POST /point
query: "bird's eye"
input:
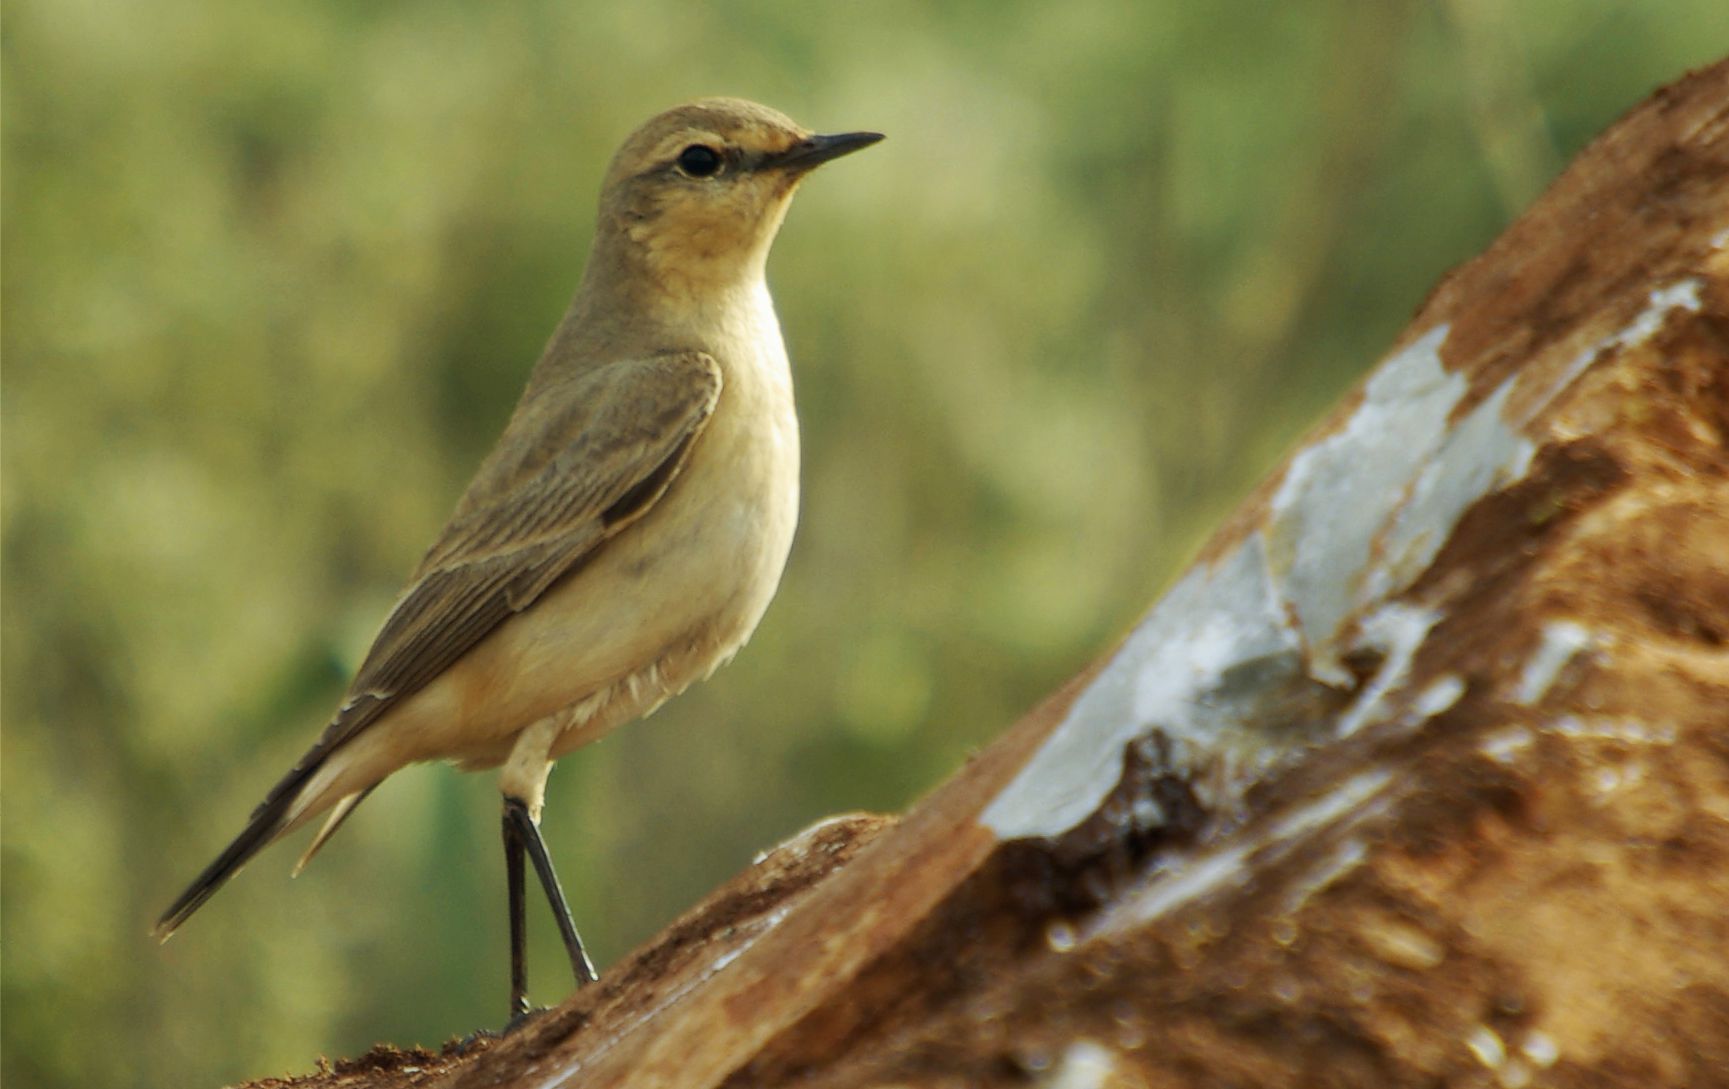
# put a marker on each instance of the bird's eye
(699, 161)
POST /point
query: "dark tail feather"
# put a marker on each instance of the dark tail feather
(267, 822)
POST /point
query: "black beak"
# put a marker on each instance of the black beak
(813, 151)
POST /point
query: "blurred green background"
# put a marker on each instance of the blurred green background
(274, 274)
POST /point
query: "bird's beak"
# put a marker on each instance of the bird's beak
(813, 151)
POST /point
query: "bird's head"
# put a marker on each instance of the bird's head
(697, 194)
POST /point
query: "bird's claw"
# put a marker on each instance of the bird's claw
(522, 1017)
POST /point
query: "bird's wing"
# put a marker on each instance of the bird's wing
(601, 459)
(600, 452)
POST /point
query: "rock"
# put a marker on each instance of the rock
(1419, 776)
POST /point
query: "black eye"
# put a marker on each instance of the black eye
(699, 161)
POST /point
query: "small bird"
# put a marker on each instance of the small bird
(626, 533)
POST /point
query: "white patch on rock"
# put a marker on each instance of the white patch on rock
(1482, 454)
(1340, 861)
(1180, 672)
(1540, 1048)
(1187, 878)
(1486, 1044)
(1084, 1065)
(1223, 664)
(1337, 493)
(1604, 728)
(1183, 879)
(1680, 295)
(1560, 642)
(1397, 631)
(1443, 692)
(1505, 746)
(1342, 801)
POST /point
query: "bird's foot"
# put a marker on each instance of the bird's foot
(478, 1039)
(481, 1038)
(522, 1017)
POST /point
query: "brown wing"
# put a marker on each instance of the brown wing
(577, 464)
(574, 468)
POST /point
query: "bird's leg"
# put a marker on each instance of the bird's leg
(527, 831)
(523, 783)
(513, 877)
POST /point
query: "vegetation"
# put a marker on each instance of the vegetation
(275, 274)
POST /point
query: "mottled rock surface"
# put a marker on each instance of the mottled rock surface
(1419, 777)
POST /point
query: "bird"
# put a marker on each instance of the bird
(624, 536)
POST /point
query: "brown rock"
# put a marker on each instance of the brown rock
(1420, 776)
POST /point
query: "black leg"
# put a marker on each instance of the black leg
(513, 875)
(528, 835)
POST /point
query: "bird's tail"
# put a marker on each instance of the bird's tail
(279, 813)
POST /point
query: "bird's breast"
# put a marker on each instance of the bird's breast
(676, 594)
(725, 526)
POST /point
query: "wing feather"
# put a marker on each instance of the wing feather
(535, 512)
